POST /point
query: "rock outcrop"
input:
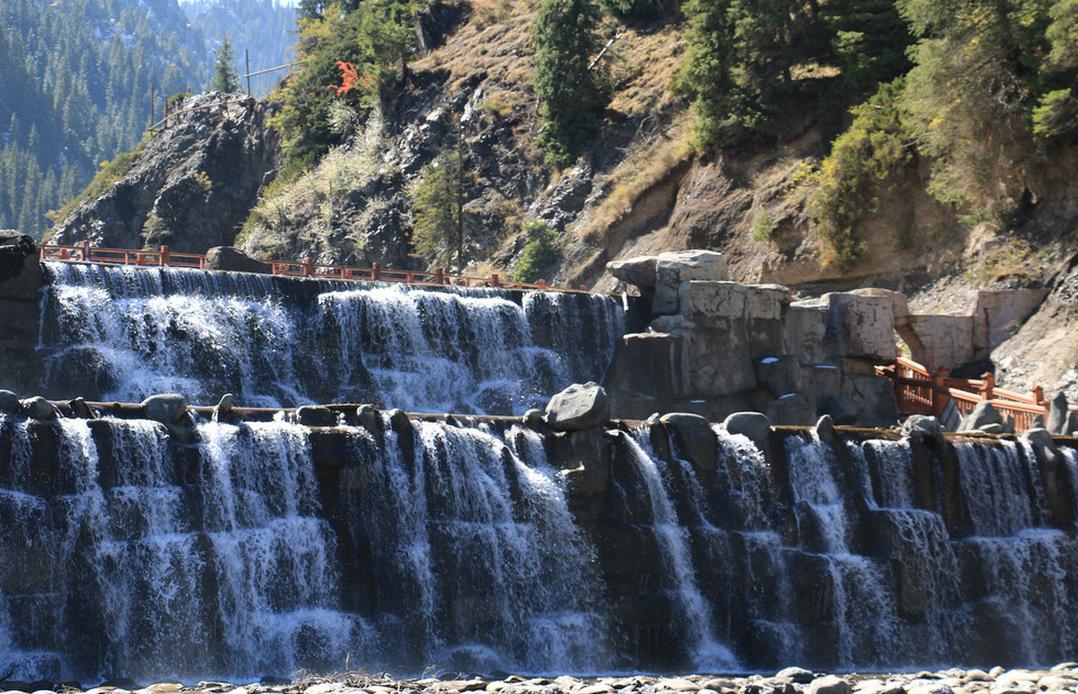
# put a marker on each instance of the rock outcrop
(192, 183)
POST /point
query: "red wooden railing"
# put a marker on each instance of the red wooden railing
(920, 391)
(164, 257)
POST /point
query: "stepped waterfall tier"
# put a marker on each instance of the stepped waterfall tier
(122, 333)
(391, 543)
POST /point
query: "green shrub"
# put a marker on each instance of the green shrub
(763, 225)
(540, 251)
(863, 159)
(1056, 116)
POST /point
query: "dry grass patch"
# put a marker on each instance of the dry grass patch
(641, 171)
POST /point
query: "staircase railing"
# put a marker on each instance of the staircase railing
(920, 391)
(165, 257)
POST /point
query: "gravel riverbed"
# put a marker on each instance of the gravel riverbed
(998, 680)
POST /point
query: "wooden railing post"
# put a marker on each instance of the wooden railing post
(495, 281)
(308, 267)
(376, 271)
(939, 391)
(86, 251)
(541, 283)
(164, 256)
(1039, 401)
(439, 275)
(989, 385)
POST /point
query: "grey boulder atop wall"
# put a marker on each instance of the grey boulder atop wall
(753, 425)
(673, 268)
(983, 414)
(168, 408)
(1058, 414)
(638, 271)
(233, 259)
(580, 406)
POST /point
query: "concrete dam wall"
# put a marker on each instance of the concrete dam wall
(390, 542)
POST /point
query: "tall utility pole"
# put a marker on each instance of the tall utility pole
(153, 106)
(247, 72)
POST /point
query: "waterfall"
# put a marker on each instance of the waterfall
(481, 549)
(122, 333)
(705, 650)
(398, 545)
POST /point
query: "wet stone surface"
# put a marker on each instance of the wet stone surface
(791, 680)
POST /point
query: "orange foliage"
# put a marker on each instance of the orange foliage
(349, 77)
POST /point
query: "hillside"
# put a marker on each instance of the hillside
(845, 174)
(78, 80)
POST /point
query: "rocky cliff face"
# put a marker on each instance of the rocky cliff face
(191, 185)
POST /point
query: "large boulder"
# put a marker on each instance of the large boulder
(984, 413)
(168, 409)
(233, 259)
(9, 402)
(671, 269)
(38, 408)
(316, 416)
(919, 425)
(694, 438)
(578, 407)
(638, 271)
(753, 425)
(862, 326)
(1058, 414)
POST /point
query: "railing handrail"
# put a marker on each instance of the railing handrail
(918, 390)
(166, 257)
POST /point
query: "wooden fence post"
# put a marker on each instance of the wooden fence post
(494, 281)
(439, 275)
(376, 271)
(989, 386)
(86, 251)
(164, 256)
(939, 390)
(308, 268)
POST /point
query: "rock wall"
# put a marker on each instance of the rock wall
(191, 185)
(715, 347)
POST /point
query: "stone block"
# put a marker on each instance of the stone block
(860, 326)
(875, 396)
(1059, 414)
(645, 364)
(766, 308)
(999, 313)
(717, 361)
(944, 340)
(673, 268)
(795, 409)
(806, 332)
(638, 271)
(702, 302)
(778, 375)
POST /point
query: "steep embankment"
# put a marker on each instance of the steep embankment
(188, 185)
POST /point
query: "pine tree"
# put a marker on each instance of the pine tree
(438, 210)
(572, 85)
(869, 39)
(224, 76)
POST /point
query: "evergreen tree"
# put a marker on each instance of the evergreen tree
(438, 210)
(572, 85)
(224, 76)
(374, 39)
(869, 39)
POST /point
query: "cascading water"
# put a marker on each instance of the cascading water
(122, 333)
(261, 548)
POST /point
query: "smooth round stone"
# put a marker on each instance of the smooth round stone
(1062, 667)
(718, 684)
(43, 691)
(677, 685)
(597, 688)
(798, 675)
(829, 685)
